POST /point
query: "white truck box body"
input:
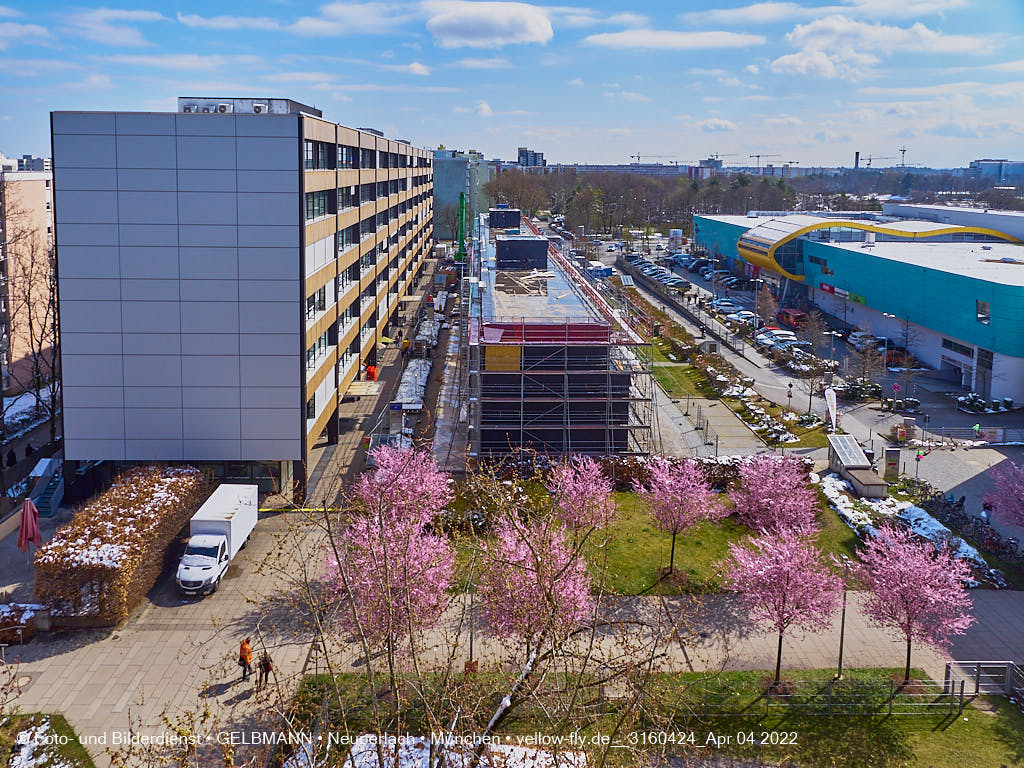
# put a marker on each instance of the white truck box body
(231, 511)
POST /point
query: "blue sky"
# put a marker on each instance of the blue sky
(809, 81)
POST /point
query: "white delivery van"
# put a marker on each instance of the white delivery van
(217, 531)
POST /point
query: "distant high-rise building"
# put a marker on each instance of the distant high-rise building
(531, 159)
(997, 170)
(33, 163)
(454, 172)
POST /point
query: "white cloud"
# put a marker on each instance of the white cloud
(12, 32)
(1007, 66)
(628, 19)
(188, 61)
(492, 63)
(99, 25)
(36, 67)
(92, 83)
(414, 68)
(712, 72)
(628, 96)
(228, 22)
(791, 121)
(752, 69)
(731, 82)
(837, 46)
(620, 131)
(483, 109)
(460, 23)
(667, 39)
(9, 13)
(576, 81)
(776, 12)
(339, 19)
(716, 125)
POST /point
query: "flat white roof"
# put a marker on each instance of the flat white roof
(960, 209)
(980, 261)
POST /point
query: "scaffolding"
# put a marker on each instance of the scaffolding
(559, 385)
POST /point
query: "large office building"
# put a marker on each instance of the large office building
(458, 172)
(999, 171)
(955, 280)
(224, 273)
(27, 318)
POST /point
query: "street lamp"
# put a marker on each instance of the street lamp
(789, 394)
(842, 620)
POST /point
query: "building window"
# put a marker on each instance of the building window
(317, 155)
(317, 352)
(319, 204)
(348, 197)
(311, 407)
(316, 303)
(367, 158)
(347, 157)
(960, 349)
(984, 310)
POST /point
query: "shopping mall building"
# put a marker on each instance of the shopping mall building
(954, 275)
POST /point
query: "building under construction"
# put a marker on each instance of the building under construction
(549, 364)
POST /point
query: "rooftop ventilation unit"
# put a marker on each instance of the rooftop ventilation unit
(259, 109)
(869, 239)
(190, 108)
(223, 109)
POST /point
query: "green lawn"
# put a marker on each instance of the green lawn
(69, 754)
(989, 736)
(683, 380)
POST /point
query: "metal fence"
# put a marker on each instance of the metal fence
(986, 678)
(720, 698)
(702, 425)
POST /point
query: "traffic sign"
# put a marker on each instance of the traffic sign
(895, 388)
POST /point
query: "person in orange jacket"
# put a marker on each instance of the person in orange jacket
(245, 658)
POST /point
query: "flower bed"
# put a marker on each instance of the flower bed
(99, 567)
(972, 402)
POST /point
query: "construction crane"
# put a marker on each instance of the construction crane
(637, 156)
(903, 156)
(719, 155)
(876, 157)
(786, 165)
(759, 160)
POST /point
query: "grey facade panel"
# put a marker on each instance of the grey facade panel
(208, 263)
(267, 344)
(87, 449)
(92, 397)
(147, 208)
(270, 154)
(268, 316)
(152, 371)
(160, 289)
(209, 343)
(268, 181)
(269, 263)
(145, 152)
(270, 236)
(148, 235)
(270, 370)
(207, 208)
(107, 423)
(210, 236)
(271, 450)
(213, 423)
(83, 123)
(267, 125)
(144, 123)
(90, 289)
(210, 397)
(205, 125)
(209, 317)
(151, 343)
(155, 423)
(152, 397)
(208, 290)
(85, 151)
(72, 343)
(271, 423)
(89, 207)
(92, 370)
(87, 261)
(264, 208)
(86, 234)
(267, 397)
(148, 262)
(87, 178)
(210, 370)
(91, 316)
(268, 290)
(146, 180)
(205, 180)
(151, 449)
(206, 152)
(213, 450)
(150, 316)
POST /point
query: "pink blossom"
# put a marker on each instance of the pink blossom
(392, 578)
(679, 497)
(782, 582)
(534, 586)
(774, 495)
(583, 494)
(915, 589)
(1008, 499)
(404, 482)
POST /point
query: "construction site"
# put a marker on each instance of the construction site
(537, 358)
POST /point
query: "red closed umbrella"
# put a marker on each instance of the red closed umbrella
(29, 531)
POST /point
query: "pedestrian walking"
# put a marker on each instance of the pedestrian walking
(245, 658)
(266, 666)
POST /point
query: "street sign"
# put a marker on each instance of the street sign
(895, 388)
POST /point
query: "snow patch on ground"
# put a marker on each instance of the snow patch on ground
(34, 748)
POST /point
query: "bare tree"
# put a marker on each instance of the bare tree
(815, 331)
(867, 363)
(449, 218)
(907, 338)
(766, 305)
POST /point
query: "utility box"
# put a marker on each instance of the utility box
(521, 252)
(503, 218)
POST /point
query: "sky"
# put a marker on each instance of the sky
(795, 81)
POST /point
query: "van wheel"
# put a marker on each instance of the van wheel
(245, 543)
(216, 585)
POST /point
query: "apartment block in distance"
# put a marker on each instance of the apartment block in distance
(224, 272)
(26, 309)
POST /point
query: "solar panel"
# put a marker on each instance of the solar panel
(849, 451)
(627, 280)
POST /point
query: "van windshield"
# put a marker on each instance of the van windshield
(193, 549)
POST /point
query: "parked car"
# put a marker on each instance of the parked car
(859, 340)
(792, 318)
(740, 317)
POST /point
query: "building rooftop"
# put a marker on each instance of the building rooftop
(958, 209)
(981, 261)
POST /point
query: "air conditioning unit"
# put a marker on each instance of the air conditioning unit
(225, 108)
(207, 109)
(259, 109)
(190, 108)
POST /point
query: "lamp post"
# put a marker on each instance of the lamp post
(789, 394)
(842, 620)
